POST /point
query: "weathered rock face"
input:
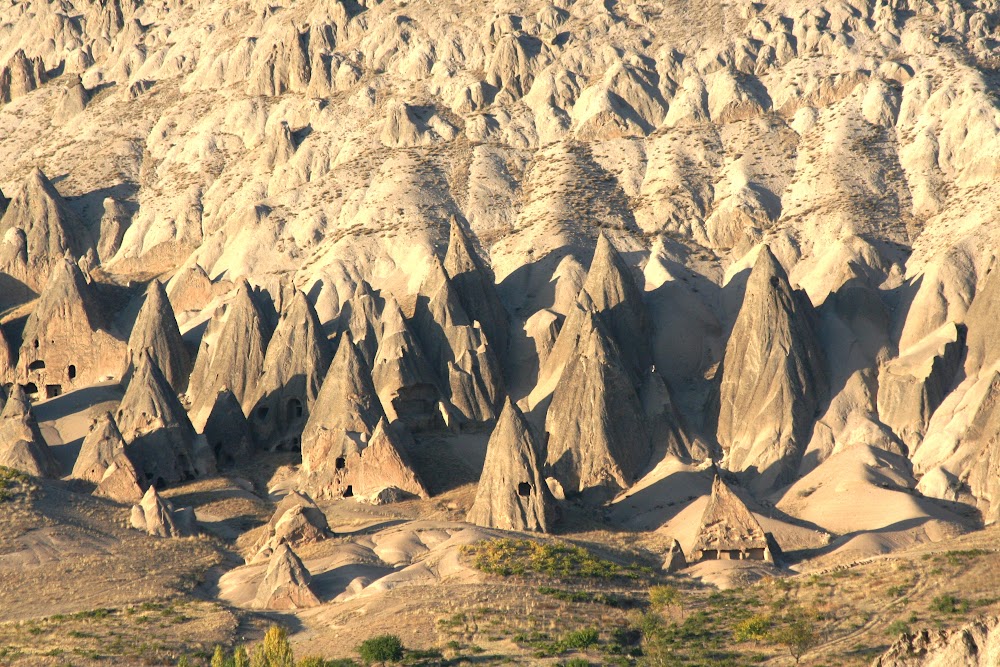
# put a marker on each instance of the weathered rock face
(20, 76)
(286, 584)
(475, 288)
(662, 419)
(21, 444)
(773, 378)
(976, 644)
(674, 559)
(99, 449)
(65, 343)
(114, 222)
(512, 493)
(383, 464)
(345, 415)
(38, 230)
(403, 378)
(160, 437)
(156, 331)
(72, 101)
(361, 317)
(231, 354)
(598, 437)
(298, 357)
(458, 349)
(296, 521)
(121, 481)
(618, 302)
(980, 320)
(227, 431)
(157, 517)
(912, 386)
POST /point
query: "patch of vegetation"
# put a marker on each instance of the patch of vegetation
(949, 604)
(898, 627)
(606, 599)
(381, 649)
(10, 480)
(513, 557)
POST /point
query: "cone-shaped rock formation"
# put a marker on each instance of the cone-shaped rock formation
(227, 431)
(100, 447)
(475, 288)
(158, 432)
(296, 362)
(773, 378)
(361, 317)
(157, 517)
(512, 493)
(156, 331)
(65, 344)
(21, 444)
(458, 349)
(344, 417)
(597, 430)
(231, 354)
(404, 379)
(383, 464)
(286, 585)
(122, 481)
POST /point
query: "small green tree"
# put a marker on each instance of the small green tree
(240, 657)
(381, 649)
(797, 636)
(220, 659)
(662, 597)
(274, 651)
(753, 629)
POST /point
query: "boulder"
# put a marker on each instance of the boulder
(296, 521)
(975, 644)
(121, 481)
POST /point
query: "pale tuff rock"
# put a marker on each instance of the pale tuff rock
(512, 493)
(38, 231)
(21, 444)
(475, 288)
(457, 348)
(625, 102)
(73, 100)
(114, 222)
(674, 560)
(296, 521)
(728, 530)
(20, 76)
(345, 415)
(543, 329)
(231, 353)
(159, 434)
(598, 438)
(156, 331)
(192, 289)
(382, 465)
(227, 432)
(407, 126)
(912, 386)
(361, 318)
(983, 340)
(100, 447)
(65, 342)
(403, 377)
(286, 585)
(976, 644)
(662, 418)
(158, 518)
(296, 362)
(121, 481)
(773, 376)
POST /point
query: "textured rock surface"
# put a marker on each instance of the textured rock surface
(23, 447)
(155, 330)
(286, 585)
(773, 377)
(102, 444)
(512, 493)
(157, 517)
(976, 644)
(296, 521)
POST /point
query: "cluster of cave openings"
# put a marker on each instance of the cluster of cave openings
(524, 489)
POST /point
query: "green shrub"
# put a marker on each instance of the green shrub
(897, 628)
(581, 639)
(381, 649)
(949, 604)
(753, 629)
(577, 662)
(510, 557)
